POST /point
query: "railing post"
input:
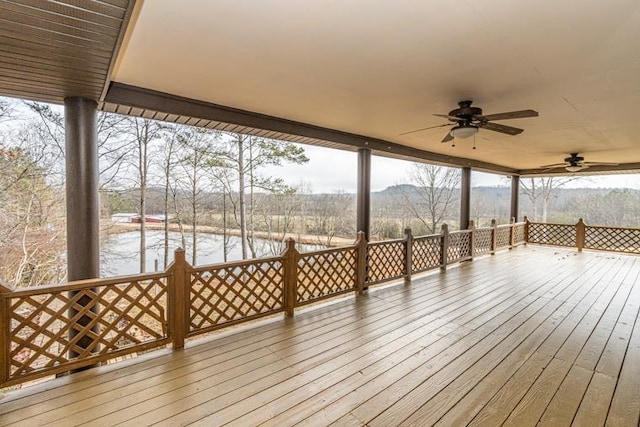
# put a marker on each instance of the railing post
(512, 234)
(290, 277)
(361, 262)
(408, 258)
(526, 230)
(5, 335)
(444, 246)
(494, 236)
(179, 300)
(472, 239)
(580, 234)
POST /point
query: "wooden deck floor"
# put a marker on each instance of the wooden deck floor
(536, 335)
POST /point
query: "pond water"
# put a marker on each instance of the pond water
(120, 253)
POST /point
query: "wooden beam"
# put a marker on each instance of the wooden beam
(146, 99)
(593, 170)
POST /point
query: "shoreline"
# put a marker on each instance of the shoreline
(305, 239)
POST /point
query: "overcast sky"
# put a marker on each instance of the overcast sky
(330, 170)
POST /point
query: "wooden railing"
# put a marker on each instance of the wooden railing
(42, 336)
(583, 236)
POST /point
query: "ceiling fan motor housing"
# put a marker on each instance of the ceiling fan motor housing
(466, 112)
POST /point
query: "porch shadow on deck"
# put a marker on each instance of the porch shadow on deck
(536, 334)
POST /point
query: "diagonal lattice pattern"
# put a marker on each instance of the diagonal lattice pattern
(519, 233)
(120, 316)
(326, 273)
(503, 234)
(613, 239)
(426, 253)
(482, 243)
(233, 292)
(385, 260)
(459, 246)
(552, 234)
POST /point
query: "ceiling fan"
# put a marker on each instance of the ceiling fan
(468, 120)
(575, 163)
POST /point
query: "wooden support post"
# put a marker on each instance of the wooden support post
(472, 239)
(444, 246)
(526, 230)
(515, 188)
(465, 198)
(361, 263)
(363, 199)
(494, 236)
(179, 300)
(512, 234)
(408, 256)
(5, 335)
(580, 234)
(290, 256)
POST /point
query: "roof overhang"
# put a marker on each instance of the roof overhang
(349, 74)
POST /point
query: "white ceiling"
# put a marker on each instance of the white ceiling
(381, 68)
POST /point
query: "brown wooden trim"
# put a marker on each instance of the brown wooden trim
(593, 170)
(118, 45)
(123, 94)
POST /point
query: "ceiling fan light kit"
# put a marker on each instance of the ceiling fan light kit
(464, 131)
(574, 168)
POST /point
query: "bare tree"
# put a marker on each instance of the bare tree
(540, 190)
(196, 145)
(245, 155)
(434, 192)
(142, 133)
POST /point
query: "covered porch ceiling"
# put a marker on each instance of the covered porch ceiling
(354, 74)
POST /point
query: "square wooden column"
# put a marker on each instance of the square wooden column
(465, 198)
(515, 190)
(363, 209)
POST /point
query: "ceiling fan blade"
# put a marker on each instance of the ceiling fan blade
(430, 127)
(448, 137)
(523, 114)
(553, 166)
(500, 128)
(454, 118)
(600, 164)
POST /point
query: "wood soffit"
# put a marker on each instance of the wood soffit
(50, 50)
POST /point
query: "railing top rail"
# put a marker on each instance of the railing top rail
(87, 283)
(385, 242)
(428, 236)
(233, 264)
(553, 224)
(326, 251)
(505, 225)
(612, 227)
(460, 232)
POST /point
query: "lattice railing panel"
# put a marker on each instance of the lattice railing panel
(118, 317)
(459, 246)
(503, 234)
(326, 273)
(385, 260)
(426, 253)
(519, 233)
(482, 243)
(552, 234)
(229, 293)
(613, 239)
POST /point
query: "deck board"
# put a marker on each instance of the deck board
(533, 335)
